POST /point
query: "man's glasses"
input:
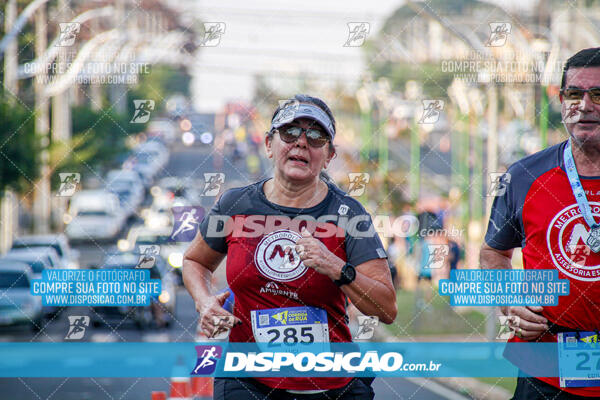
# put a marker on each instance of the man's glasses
(574, 93)
(314, 137)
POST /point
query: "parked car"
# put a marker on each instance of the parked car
(38, 258)
(127, 181)
(161, 310)
(69, 258)
(17, 305)
(156, 150)
(95, 215)
(148, 158)
(129, 189)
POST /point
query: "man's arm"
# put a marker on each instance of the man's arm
(494, 258)
(531, 324)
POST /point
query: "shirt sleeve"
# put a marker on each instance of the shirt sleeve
(212, 228)
(504, 230)
(363, 243)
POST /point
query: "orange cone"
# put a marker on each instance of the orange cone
(180, 382)
(159, 396)
(180, 389)
(202, 386)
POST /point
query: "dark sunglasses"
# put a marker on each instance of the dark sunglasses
(574, 93)
(314, 137)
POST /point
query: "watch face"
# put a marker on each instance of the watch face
(349, 273)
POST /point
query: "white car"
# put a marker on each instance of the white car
(17, 304)
(128, 177)
(159, 215)
(95, 215)
(38, 258)
(144, 164)
(127, 185)
(69, 258)
(157, 151)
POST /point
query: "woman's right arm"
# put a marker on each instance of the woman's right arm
(199, 262)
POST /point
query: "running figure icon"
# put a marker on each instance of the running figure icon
(189, 221)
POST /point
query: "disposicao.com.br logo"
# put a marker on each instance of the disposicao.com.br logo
(352, 362)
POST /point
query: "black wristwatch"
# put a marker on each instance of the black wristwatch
(348, 275)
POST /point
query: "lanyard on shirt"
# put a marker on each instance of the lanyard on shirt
(584, 206)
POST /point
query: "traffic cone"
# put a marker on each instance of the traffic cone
(181, 388)
(202, 387)
(159, 396)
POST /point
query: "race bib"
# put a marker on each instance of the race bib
(579, 359)
(275, 327)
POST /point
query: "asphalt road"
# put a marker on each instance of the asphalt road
(192, 162)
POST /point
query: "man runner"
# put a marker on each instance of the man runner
(551, 209)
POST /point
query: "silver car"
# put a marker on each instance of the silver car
(69, 258)
(17, 305)
(34, 256)
(38, 259)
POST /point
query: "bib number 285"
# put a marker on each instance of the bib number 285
(291, 335)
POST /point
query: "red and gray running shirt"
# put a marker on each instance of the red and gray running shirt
(538, 212)
(262, 278)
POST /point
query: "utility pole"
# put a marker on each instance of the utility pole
(11, 60)
(95, 87)
(61, 111)
(118, 91)
(42, 199)
(61, 105)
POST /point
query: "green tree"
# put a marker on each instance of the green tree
(19, 149)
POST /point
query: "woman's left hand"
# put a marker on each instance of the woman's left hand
(314, 254)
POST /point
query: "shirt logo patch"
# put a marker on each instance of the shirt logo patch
(271, 260)
(567, 239)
